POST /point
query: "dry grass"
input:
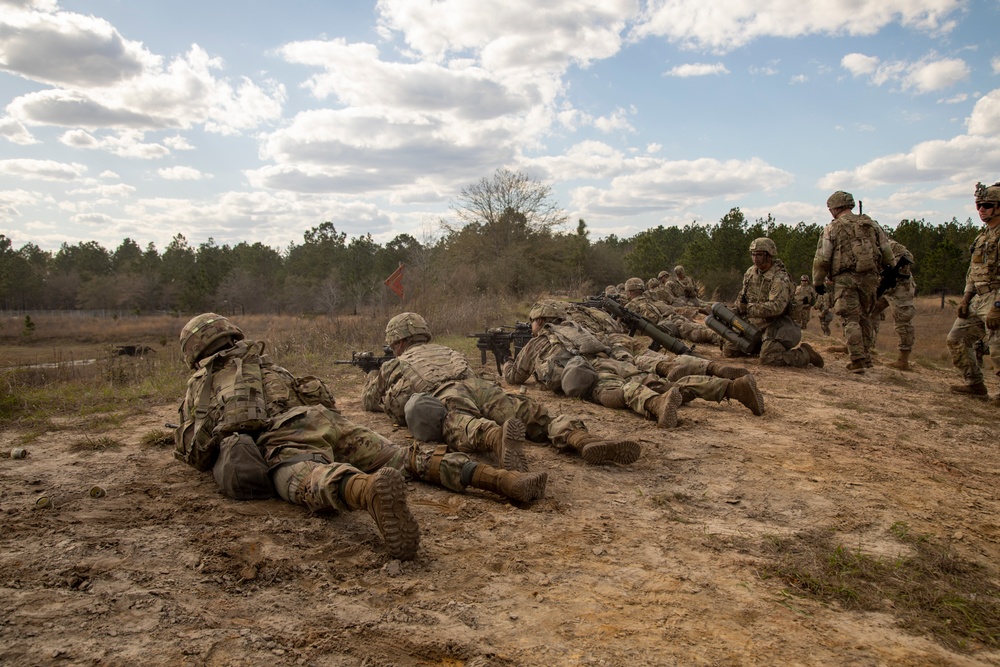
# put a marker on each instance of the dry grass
(928, 588)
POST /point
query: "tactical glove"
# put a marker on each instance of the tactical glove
(741, 307)
(963, 311)
(993, 318)
(820, 289)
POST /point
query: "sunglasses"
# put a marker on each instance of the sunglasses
(985, 204)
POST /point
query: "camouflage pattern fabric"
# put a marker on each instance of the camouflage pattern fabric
(805, 296)
(852, 249)
(667, 318)
(769, 295)
(982, 278)
(474, 405)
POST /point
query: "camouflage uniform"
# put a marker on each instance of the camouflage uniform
(768, 297)
(806, 297)
(668, 319)
(824, 304)
(900, 298)
(982, 299)
(852, 250)
(300, 430)
(474, 405)
(620, 383)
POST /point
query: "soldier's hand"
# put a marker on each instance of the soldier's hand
(963, 311)
(820, 289)
(993, 318)
(741, 307)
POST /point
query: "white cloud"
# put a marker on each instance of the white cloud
(767, 70)
(656, 185)
(45, 170)
(995, 64)
(985, 118)
(129, 144)
(181, 173)
(927, 75)
(15, 132)
(798, 78)
(954, 99)
(12, 201)
(859, 64)
(178, 143)
(618, 120)
(696, 69)
(697, 24)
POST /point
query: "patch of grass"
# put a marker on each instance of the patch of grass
(157, 438)
(90, 445)
(929, 589)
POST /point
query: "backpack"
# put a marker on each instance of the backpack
(240, 469)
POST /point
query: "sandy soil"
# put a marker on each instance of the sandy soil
(649, 564)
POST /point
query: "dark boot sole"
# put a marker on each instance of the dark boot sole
(511, 455)
(392, 515)
(529, 487)
(624, 452)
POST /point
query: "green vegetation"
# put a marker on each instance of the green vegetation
(505, 240)
(927, 587)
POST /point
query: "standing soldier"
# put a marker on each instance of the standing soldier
(806, 297)
(852, 250)
(900, 299)
(824, 305)
(766, 299)
(979, 312)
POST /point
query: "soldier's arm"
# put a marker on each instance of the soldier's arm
(777, 300)
(373, 394)
(822, 258)
(519, 369)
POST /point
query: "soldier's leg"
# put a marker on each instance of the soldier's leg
(341, 486)
(847, 306)
(961, 340)
(903, 310)
(455, 471)
(479, 420)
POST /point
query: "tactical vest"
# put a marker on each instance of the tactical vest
(574, 338)
(984, 266)
(421, 368)
(856, 246)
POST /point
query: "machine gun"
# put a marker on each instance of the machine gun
(734, 329)
(635, 322)
(498, 341)
(891, 276)
(367, 361)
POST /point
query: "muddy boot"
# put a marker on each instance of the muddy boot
(664, 408)
(857, 366)
(521, 486)
(903, 363)
(596, 451)
(746, 392)
(383, 495)
(718, 370)
(978, 389)
(507, 444)
(814, 357)
(838, 349)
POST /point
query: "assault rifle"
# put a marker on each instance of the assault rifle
(498, 341)
(635, 322)
(891, 276)
(734, 329)
(367, 361)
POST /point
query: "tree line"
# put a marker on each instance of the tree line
(505, 241)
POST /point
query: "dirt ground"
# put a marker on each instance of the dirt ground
(662, 562)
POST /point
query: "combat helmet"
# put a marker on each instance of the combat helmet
(804, 277)
(407, 325)
(663, 275)
(840, 199)
(764, 244)
(991, 193)
(635, 285)
(202, 334)
(549, 309)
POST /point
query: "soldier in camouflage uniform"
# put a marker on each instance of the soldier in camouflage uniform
(476, 408)
(312, 454)
(684, 290)
(824, 304)
(979, 312)
(900, 300)
(766, 300)
(665, 316)
(853, 249)
(806, 296)
(618, 382)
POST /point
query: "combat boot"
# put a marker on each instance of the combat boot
(664, 407)
(507, 444)
(814, 357)
(521, 486)
(596, 451)
(978, 389)
(746, 392)
(857, 366)
(838, 349)
(383, 496)
(903, 363)
(718, 370)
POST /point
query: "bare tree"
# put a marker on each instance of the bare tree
(506, 193)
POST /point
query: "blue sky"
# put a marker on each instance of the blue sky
(255, 121)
